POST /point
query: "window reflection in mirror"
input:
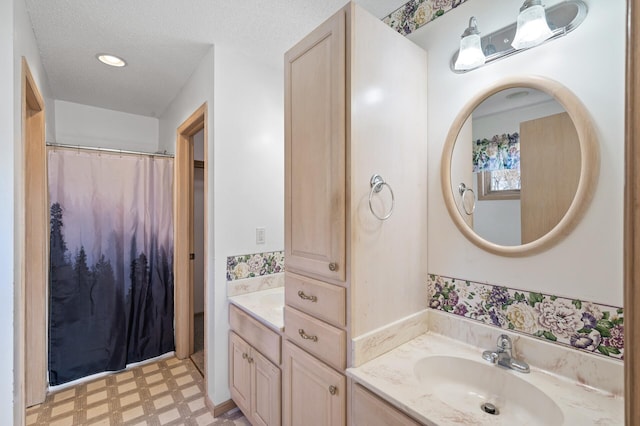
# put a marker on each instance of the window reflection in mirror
(499, 185)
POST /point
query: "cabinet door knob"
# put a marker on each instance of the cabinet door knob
(333, 390)
(333, 266)
(303, 296)
(244, 355)
(306, 336)
(249, 360)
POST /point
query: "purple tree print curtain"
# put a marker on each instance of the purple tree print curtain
(111, 261)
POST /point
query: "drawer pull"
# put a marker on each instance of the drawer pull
(305, 297)
(306, 336)
(333, 390)
(333, 266)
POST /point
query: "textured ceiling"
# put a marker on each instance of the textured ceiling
(163, 41)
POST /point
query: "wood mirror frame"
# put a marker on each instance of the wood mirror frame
(589, 166)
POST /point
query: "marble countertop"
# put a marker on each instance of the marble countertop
(266, 306)
(392, 377)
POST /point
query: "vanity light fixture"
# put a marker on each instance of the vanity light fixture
(471, 55)
(532, 27)
(560, 19)
(111, 60)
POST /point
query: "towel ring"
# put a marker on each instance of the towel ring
(462, 188)
(377, 182)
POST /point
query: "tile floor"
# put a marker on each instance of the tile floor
(165, 392)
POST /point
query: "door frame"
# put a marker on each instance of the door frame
(33, 222)
(183, 231)
(632, 218)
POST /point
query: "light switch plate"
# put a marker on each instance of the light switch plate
(260, 235)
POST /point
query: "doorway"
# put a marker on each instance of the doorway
(198, 248)
(184, 241)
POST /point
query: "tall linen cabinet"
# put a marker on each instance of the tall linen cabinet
(355, 106)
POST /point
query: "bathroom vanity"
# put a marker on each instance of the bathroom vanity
(437, 378)
(255, 382)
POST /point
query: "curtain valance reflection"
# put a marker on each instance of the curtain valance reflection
(501, 152)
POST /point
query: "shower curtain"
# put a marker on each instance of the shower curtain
(111, 261)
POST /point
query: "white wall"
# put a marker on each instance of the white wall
(245, 160)
(195, 92)
(84, 125)
(590, 62)
(249, 175)
(6, 213)
(23, 44)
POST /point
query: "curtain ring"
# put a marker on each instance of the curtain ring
(377, 183)
(463, 190)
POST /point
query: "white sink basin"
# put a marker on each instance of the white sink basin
(466, 385)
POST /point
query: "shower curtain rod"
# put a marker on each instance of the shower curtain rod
(115, 151)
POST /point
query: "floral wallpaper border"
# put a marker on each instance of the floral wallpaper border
(416, 13)
(254, 265)
(582, 325)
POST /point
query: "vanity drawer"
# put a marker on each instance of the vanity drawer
(324, 301)
(319, 338)
(266, 341)
(369, 410)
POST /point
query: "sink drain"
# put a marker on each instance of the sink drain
(489, 408)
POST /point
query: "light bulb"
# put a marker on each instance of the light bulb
(470, 54)
(532, 28)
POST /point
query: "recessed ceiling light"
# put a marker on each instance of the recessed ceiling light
(111, 60)
(518, 95)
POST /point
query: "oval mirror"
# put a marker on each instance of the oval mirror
(519, 166)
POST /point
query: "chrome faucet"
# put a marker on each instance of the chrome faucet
(502, 356)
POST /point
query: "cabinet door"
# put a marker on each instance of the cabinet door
(265, 391)
(239, 372)
(315, 152)
(314, 394)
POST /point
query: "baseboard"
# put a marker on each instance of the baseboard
(221, 408)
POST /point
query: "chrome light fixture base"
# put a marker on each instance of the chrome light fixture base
(562, 18)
